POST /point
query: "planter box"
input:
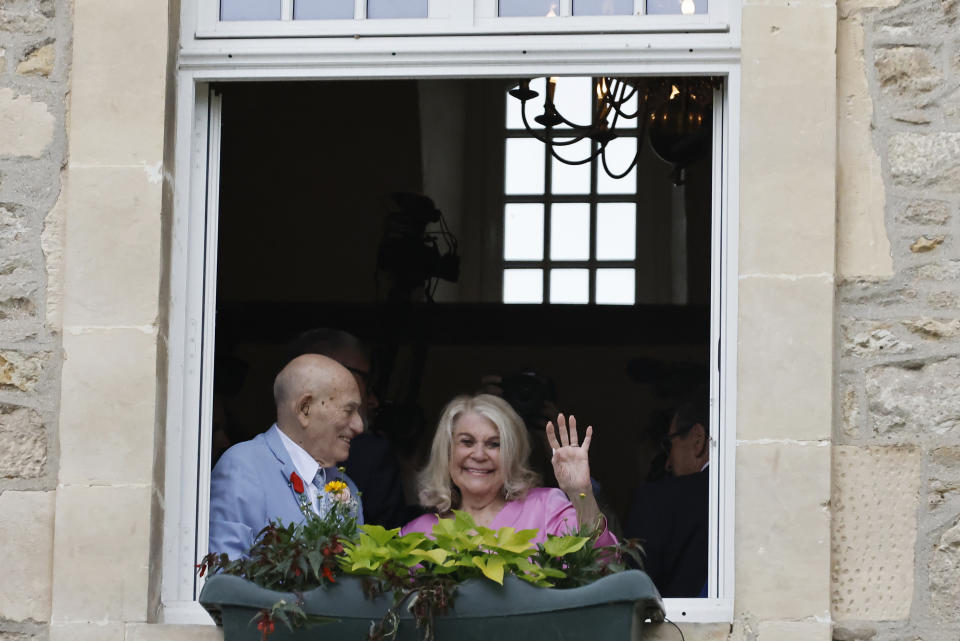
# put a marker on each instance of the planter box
(611, 609)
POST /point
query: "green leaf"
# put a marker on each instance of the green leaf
(436, 555)
(379, 533)
(509, 539)
(491, 566)
(563, 545)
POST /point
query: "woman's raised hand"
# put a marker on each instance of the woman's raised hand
(571, 464)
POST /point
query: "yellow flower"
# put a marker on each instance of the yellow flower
(335, 487)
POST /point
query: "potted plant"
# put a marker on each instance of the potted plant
(466, 582)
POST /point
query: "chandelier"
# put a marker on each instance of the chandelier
(675, 113)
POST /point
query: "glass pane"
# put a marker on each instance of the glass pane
(571, 179)
(629, 108)
(523, 232)
(685, 7)
(573, 98)
(523, 285)
(569, 286)
(615, 286)
(514, 8)
(602, 7)
(524, 166)
(396, 9)
(249, 10)
(534, 107)
(570, 231)
(616, 231)
(620, 152)
(323, 10)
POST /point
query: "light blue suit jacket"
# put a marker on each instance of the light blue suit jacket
(251, 486)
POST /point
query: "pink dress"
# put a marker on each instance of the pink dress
(545, 508)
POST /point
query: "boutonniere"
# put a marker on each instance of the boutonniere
(296, 482)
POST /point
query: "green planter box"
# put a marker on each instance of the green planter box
(610, 609)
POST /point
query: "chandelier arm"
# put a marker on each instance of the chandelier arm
(593, 154)
(636, 157)
(547, 140)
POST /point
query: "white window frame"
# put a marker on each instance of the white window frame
(454, 17)
(193, 246)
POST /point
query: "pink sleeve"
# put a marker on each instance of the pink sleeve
(423, 523)
(561, 518)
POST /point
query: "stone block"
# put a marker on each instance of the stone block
(80, 631)
(925, 212)
(25, 16)
(907, 71)
(874, 503)
(943, 476)
(16, 308)
(26, 125)
(907, 401)
(691, 632)
(107, 407)
(3, 59)
(23, 443)
(926, 161)
(786, 353)
(944, 300)
(118, 83)
(850, 411)
(944, 569)
(100, 554)
(923, 244)
(794, 631)
(867, 339)
(166, 632)
(21, 370)
(938, 271)
(798, 239)
(863, 249)
(26, 556)
(853, 633)
(52, 242)
(933, 328)
(113, 223)
(783, 531)
(6, 635)
(38, 62)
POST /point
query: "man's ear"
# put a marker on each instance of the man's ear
(302, 409)
(703, 439)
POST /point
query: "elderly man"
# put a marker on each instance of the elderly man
(273, 475)
(670, 515)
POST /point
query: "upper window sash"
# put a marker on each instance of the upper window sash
(462, 17)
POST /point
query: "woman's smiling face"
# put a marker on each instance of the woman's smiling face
(475, 458)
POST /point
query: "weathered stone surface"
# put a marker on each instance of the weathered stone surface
(168, 632)
(865, 292)
(26, 126)
(785, 490)
(97, 631)
(944, 476)
(863, 249)
(910, 401)
(20, 370)
(12, 226)
(933, 328)
(793, 631)
(27, 16)
(38, 62)
(16, 636)
(859, 633)
(944, 300)
(26, 556)
(924, 244)
(16, 308)
(867, 339)
(944, 568)
(23, 453)
(850, 411)
(666, 632)
(3, 59)
(945, 270)
(874, 501)
(907, 71)
(926, 160)
(51, 242)
(926, 212)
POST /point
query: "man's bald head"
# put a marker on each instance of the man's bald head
(318, 405)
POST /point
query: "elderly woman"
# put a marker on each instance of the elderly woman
(478, 463)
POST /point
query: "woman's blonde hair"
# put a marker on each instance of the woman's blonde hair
(437, 491)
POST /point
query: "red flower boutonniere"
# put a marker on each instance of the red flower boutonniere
(297, 482)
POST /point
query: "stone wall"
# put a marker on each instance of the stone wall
(35, 62)
(896, 487)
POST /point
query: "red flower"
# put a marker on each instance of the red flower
(297, 482)
(328, 575)
(202, 567)
(266, 626)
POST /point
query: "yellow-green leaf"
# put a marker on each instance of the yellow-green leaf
(491, 566)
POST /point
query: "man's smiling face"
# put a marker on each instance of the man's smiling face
(332, 422)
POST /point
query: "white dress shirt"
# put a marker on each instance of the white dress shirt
(306, 465)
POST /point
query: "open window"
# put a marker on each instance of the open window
(301, 205)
